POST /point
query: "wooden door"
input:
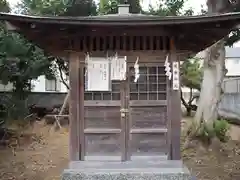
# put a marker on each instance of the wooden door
(104, 127)
(130, 121)
(147, 125)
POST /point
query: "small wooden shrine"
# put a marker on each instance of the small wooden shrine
(124, 77)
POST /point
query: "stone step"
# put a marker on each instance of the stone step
(131, 170)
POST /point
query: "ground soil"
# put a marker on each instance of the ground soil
(43, 155)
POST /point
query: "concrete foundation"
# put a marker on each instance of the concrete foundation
(132, 170)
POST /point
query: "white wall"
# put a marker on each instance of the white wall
(233, 66)
(39, 85)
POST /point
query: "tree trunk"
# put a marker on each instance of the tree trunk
(213, 73)
(211, 90)
(189, 111)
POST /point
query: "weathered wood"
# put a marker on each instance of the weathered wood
(176, 113)
(64, 104)
(144, 122)
(124, 119)
(147, 103)
(81, 106)
(148, 144)
(148, 131)
(106, 144)
(149, 117)
(105, 103)
(169, 121)
(102, 117)
(101, 131)
(58, 117)
(73, 107)
(127, 106)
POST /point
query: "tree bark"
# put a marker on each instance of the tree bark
(211, 89)
(213, 73)
(62, 79)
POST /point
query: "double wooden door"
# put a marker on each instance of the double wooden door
(130, 121)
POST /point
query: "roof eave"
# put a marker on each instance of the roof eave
(120, 20)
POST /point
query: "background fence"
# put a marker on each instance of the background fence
(231, 85)
(229, 106)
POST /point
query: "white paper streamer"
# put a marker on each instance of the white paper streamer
(136, 68)
(168, 68)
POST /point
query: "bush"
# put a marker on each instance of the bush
(206, 132)
(221, 128)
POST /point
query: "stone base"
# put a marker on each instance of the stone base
(131, 170)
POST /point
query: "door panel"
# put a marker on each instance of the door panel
(148, 124)
(148, 144)
(104, 144)
(102, 132)
(102, 124)
(148, 117)
(102, 117)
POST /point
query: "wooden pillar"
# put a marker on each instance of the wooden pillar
(73, 106)
(175, 112)
(81, 126)
(76, 107)
(124, 97)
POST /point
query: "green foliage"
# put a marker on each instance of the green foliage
(58, 7)
(4, 6)
(191, 77)
(108, 6)
(191, 73)
(20, 62)
(80, 8)
(221, 128)
(206, 132)
(39, 7)
(170, 8)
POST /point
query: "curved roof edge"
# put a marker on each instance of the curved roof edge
(127, 19)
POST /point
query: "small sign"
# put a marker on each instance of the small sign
(97, 74)
(118, 68)
(175, 76)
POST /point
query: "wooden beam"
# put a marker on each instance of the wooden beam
(124, 118)
(101, 131)
(148, 130)
(169, 120)
(81, 107)
(175, 112)
(74, 107)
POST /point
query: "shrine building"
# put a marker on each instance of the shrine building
(124, 83)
